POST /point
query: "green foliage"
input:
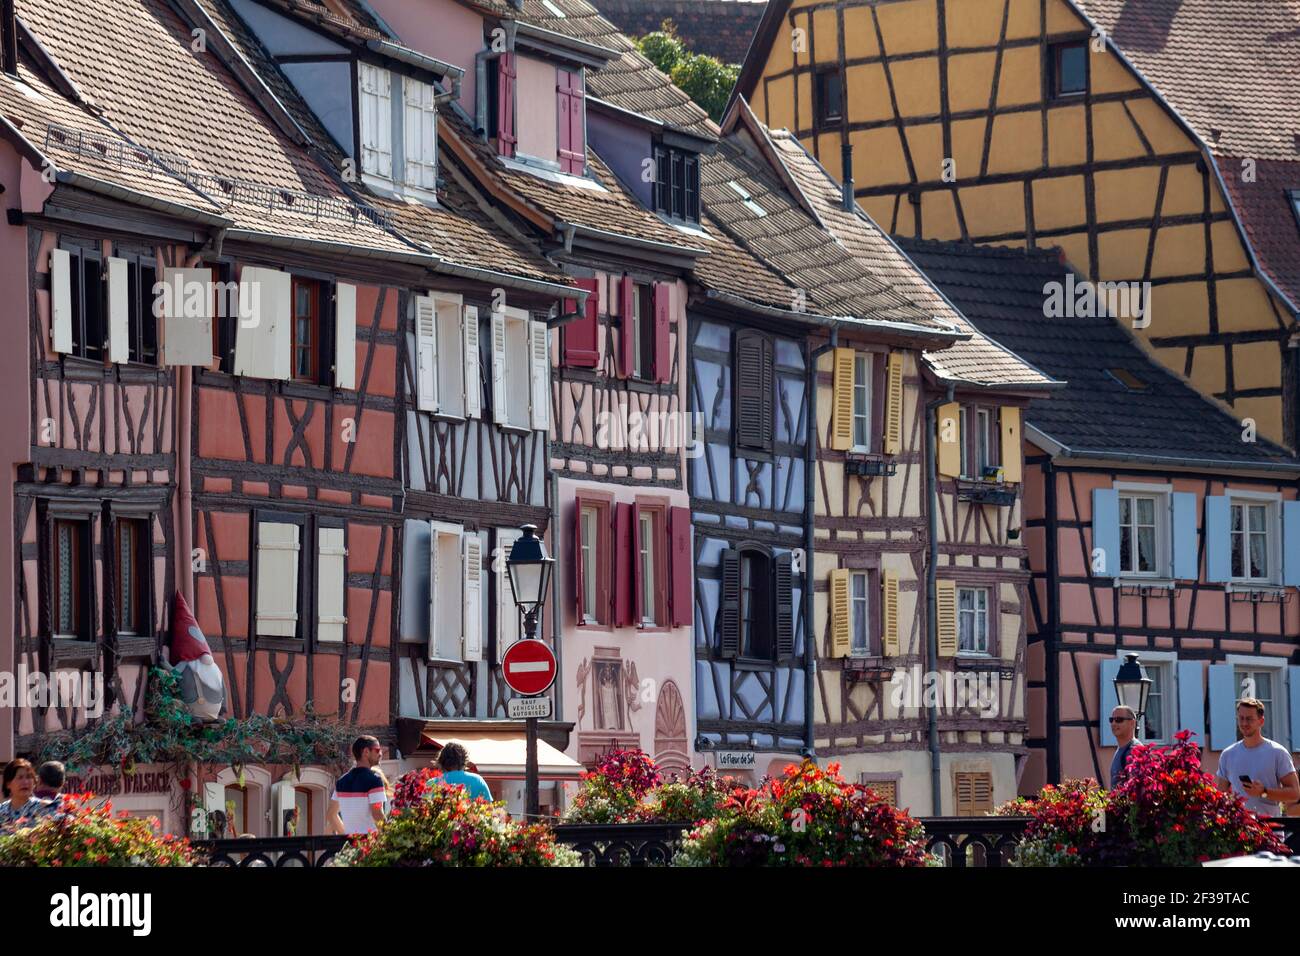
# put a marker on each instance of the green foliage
(662, 48)
(87, 835)
(446, 828)
(705, 79)
(171, 734)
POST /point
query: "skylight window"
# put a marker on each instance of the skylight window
(1127, 379)
(747, 199)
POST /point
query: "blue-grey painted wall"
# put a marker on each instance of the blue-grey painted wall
(280, 35)
(327, 89)
(624, 149)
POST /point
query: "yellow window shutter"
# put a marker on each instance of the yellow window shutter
(948, 424)
(893, 442)
(1012, 452)
(842, 413)
(841, 629)
(974, 793)
(946, 616)
(889, 613)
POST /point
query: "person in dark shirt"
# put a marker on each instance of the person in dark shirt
(1123, 724)
(359, 798)
(50, 777)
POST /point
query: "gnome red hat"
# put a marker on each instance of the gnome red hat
(188, 642)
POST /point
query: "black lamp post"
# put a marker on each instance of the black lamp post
(1132, 687)
(530, 577)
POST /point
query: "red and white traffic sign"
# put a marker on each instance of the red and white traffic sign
(529, 667)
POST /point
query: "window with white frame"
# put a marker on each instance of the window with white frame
(590, 545)
(376, 121)
(860, 622)
(862, 402)
(446, 351)
(1252, 539)
(1141, 530)
(973, 620)
(521, 390)
(420, 134)
(1160, 702)
(986, 441)
(647, 576)
(1264, 679)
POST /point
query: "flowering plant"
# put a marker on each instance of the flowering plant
(446, 828)
(614, 791)
(413, 786)
(88, 835)
(1166, 812)
(809, 817)
(695, 798)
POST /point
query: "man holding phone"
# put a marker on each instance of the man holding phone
(1255, 767)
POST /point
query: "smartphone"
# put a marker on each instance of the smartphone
(1244, 779)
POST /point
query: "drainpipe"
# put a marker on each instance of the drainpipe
(931, 611)
(1051, 658)
(184, 492)
(558, 712)
(810, 512)
(480, 92)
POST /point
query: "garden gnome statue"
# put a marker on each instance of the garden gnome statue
(202, 687)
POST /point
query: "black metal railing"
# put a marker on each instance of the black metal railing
(974, 841)
(623, 844)
(305, 851)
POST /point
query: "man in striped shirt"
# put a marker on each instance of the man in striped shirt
(358, 801)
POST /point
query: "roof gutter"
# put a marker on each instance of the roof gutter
(601, 239)
(410, 57)
(558, 44)
(915, 332)
(1058, 450)
(105, 188)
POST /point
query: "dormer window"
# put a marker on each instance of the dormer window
(677, 184)
(398, 134)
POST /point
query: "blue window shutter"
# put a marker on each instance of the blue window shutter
(1191, 700)
(1184, 522)
(1291, 543)
(1105, 530)
(1218, 543)
(1223, 707)
(1107, 699)
(1293, 699)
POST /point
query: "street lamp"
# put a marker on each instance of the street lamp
(1132, 687)
(530, 577)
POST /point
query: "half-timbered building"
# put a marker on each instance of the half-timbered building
(1156, 524)
(1149, 140)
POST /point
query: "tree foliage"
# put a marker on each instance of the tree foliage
(705, 79)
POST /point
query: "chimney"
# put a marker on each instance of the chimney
(8, 37)
(847, 201)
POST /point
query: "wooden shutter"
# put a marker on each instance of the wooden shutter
(472, 596)
(426, 353)
(539, 367)
(581, 345)
(570, 131)
(1104, 561)
(283, 801)
(841, 613)
(1186, 559)
(577, 561)
(187, 339)
(446, 634)
(638, 586)
(506, 73)
(262, 342)
(681, 558)
(784, 607)
(974, 793)
(753, 391)
(945, 613)
(277, 579)
(948, 439)
(729, 620)
(842, 403)
(893, 438)
(331, 577)
(1218, 539)
(61, 300)
(420, 134)
(663, 348)
(624, 560)
(1290, 544)
(1107, 669)
(886, 790)
(473, 380)
(627, 343)
(767, 394)
(500, 414)
(1223, 704)
(1191, 700)
(1012, 450)
(345, 336)
(119, 312)
(889, 613)
(376, 121)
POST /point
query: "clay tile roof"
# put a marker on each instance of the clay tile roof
(1155, 416)
(1229, 68)
(976, 360)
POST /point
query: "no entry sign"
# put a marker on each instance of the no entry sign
(528, 667)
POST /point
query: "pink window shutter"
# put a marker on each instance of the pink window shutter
(623, 601)
(506, 104)
(663, 350)
(569, 118)
(581, 342)
(627, 347)
(681, 561)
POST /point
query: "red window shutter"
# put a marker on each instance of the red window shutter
(663, 351)
(681, 560)
(569, 117)
(506, 104)
(581, 335)
(623, 602)
(627, 348)
(577, 557)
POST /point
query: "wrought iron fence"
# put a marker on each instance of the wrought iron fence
(623, 844)
(306, 851)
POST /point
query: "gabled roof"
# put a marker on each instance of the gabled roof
(1231, 70)
(1155, 419)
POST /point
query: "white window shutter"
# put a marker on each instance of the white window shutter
(433, 592)
(473, 383)
(187, 337)
(445, 570)
(426, 353)
(119, 343)
(277, 579)
(345, 336)
(499, 411)
(420, 134)
(331, 576)
(539, 354)
(262, 342)
(472, 595)
(376, 120)
(283, 800)
(61, 300)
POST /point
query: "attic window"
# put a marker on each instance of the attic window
(1127, 379)
(1069, 65)
(553, 8)
(748, 200)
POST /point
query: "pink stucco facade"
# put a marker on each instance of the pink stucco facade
(440, 28)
